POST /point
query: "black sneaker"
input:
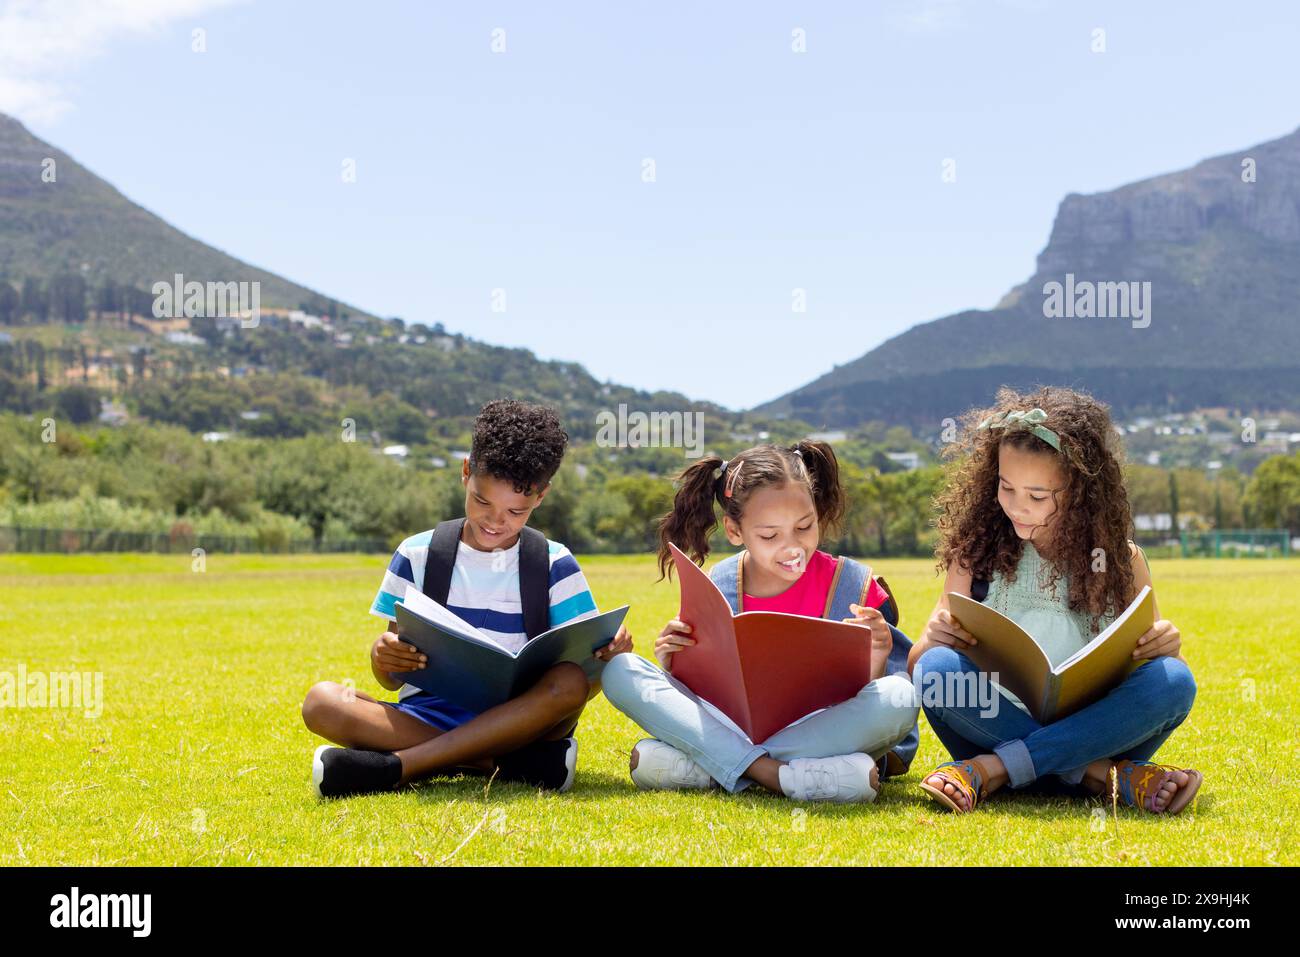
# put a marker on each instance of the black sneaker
(339, 771)
(543, 764)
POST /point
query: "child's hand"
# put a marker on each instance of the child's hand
(389, 654)
(874, 619)
(675, 636)
(882, 639)
(944, 629)
(1162, 639)
(621, 644)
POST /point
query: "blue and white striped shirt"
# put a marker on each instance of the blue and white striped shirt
(485, 589)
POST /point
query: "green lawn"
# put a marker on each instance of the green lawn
(200, 755)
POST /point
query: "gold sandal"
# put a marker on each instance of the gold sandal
(966, 776)
(1138, 783)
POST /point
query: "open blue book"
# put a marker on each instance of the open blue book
(468, 667)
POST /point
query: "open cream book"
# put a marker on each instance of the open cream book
(1014, 659)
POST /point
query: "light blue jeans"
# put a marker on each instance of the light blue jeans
(1129, 724)
(872, 721)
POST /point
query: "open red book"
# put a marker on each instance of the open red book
(764, 669)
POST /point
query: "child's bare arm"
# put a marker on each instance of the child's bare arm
(942, 628)
(1164, 637)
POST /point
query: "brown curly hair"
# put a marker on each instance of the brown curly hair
(693, 518)
(976, 534)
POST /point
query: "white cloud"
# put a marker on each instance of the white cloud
(44, 42)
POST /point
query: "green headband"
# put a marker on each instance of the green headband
(1030, 421)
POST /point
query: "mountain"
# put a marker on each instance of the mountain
(407, 383)
(78, 223)
(1220, 248)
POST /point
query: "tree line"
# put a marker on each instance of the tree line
(157, 478)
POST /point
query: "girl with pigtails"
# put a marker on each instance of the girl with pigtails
(776, 503)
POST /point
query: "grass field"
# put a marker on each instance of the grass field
(200, 755)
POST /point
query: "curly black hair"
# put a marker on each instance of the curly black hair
(518, 443)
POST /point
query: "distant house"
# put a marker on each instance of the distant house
(112, 413)
(5, 339)
(908, 460)
(252, 415)
(438, 462)
(459, 454)
(1158, 522)
(397, 451)
(831, 437)
(184, 339)
(298, 317)
(1277, 442)
(215, 436)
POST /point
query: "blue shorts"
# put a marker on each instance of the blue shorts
(433, 710)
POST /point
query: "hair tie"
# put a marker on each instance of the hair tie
(719, 475)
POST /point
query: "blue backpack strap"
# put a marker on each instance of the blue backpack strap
(726, 575)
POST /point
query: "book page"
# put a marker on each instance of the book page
(1004, 650)
(1105, 661)
(1115, 626)
(418, 603)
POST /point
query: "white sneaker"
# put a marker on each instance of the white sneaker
(843, 778)
(660, 766)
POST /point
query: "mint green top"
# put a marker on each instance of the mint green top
(1042, 610)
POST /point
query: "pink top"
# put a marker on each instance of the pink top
(807, 596)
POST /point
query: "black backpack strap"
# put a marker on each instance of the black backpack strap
(534, 572)
(979, 589)
(535, 581)
(442, 558)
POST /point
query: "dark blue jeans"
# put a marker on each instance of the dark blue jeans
(1130, 723)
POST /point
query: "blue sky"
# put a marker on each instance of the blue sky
(523, 170)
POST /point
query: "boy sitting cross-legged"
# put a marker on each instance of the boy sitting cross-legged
(503, 578)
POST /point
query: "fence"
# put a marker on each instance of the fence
(1227, 543)
(70, 541)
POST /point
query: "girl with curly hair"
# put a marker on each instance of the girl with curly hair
(1035, 523)
(776, 502)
